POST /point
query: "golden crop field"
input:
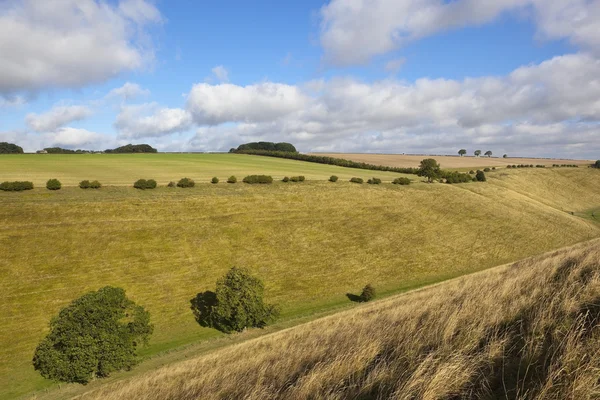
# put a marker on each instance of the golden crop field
(311, 243)
(452, 162)
(524, 331)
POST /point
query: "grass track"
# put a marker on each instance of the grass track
(311, 243)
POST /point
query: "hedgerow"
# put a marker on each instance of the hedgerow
(16, 186)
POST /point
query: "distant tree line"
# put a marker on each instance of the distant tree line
(10, 148)
(265, 146)
(133, 148)
(60, 150)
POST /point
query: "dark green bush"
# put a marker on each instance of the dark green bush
(84, 184)
(285, 179)
(480, 176)
(356, 180)
(16, 186)
(368, 293)
(171, 184)
(53, 184)
(95, 185)
(596, 164)
(252, 179)
(236, 304)
(145, 184)
(486, 170)
(401, 181)
(374, 181)
(301, 178)
(295, 179)
(232, 179)
(95, 335)
(214, 180)
(186, 183)
(471, 172)
(333, 178)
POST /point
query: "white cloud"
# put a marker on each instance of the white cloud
(354, 31)
(221, 73)
(56, 117)
(128, 91)
(215, 104)
(150, 120)
(75, 138)
(71, 43)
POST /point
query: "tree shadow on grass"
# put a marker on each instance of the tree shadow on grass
(202, 306)
(354, 298)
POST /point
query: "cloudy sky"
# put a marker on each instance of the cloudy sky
(390, 76)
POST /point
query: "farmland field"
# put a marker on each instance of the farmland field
(124, 169)
(453, 162)
(311, 243)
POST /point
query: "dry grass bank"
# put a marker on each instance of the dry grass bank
(530, 330)
(402, 160)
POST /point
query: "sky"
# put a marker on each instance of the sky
(517, 77)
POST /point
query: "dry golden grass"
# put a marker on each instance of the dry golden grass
(530, 330)
(401, 160)
(311, 243)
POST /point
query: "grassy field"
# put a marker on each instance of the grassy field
(124, 169)
(311, 243)
(452, 162)
(530, 330)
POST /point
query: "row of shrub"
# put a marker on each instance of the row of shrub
(252, 179)
(145, 184)
(90, 184)
(294, 179)
(16, 186)
(328, 160)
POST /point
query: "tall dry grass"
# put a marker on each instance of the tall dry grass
(530, 330)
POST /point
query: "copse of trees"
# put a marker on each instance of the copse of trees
(95, 335)
(53, 184)
(144, 184)
(60, 150)
(265, 146)
(10, 148)
(16, 186)
(328, 160)
(236, 304)
(133, 148)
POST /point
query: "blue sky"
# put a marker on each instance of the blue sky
(402, 76)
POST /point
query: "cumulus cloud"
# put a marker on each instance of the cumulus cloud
(552, 105)
(353, 31)
(56, 117)
(66, 137)
(128, 91)
(75, 138)
(71, 43)
(150, 120)
(215, 104)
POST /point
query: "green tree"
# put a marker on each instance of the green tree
(236, 304)
(10, 148)
(597, 164)
(430, 169)
(480, 176)
(93, 336)
(488, 153)
(505, 156)
(462, 152)
(477, 153)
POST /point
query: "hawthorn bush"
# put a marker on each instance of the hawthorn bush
(16, 186)
(262, 179)
(53, 184)
(285, 179)
(186, 183)
(232, 179)
(214, 180)
(333, 178)
(480, 176)
(374, 181)
(145, 184)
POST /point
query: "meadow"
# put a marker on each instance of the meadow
(530, 330)
(452, 162)
(311, 243)
(124, 169)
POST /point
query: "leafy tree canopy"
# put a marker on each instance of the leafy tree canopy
(268, 146)
(462, 152)
(93, 336)
(430, 169)
(10, 148)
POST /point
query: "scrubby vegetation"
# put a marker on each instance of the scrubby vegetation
(368, 293)
(145, 184)
(85, 184)
(236, 304)
(186, 183)
(53, 184)
(258, 179)
(456, 177)
(526, 331)
(596, 164)
(94, 336)
(297, 178)
(232, 179)
(133, 148)
(374, 181)
(401, 181)
(10, 148)
(356, 180)
(16, 186)
(480, 176)
(265, 146)
(333, 178)
(214, 180)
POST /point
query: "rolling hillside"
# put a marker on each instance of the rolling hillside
(311, 243)
(530, 330)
